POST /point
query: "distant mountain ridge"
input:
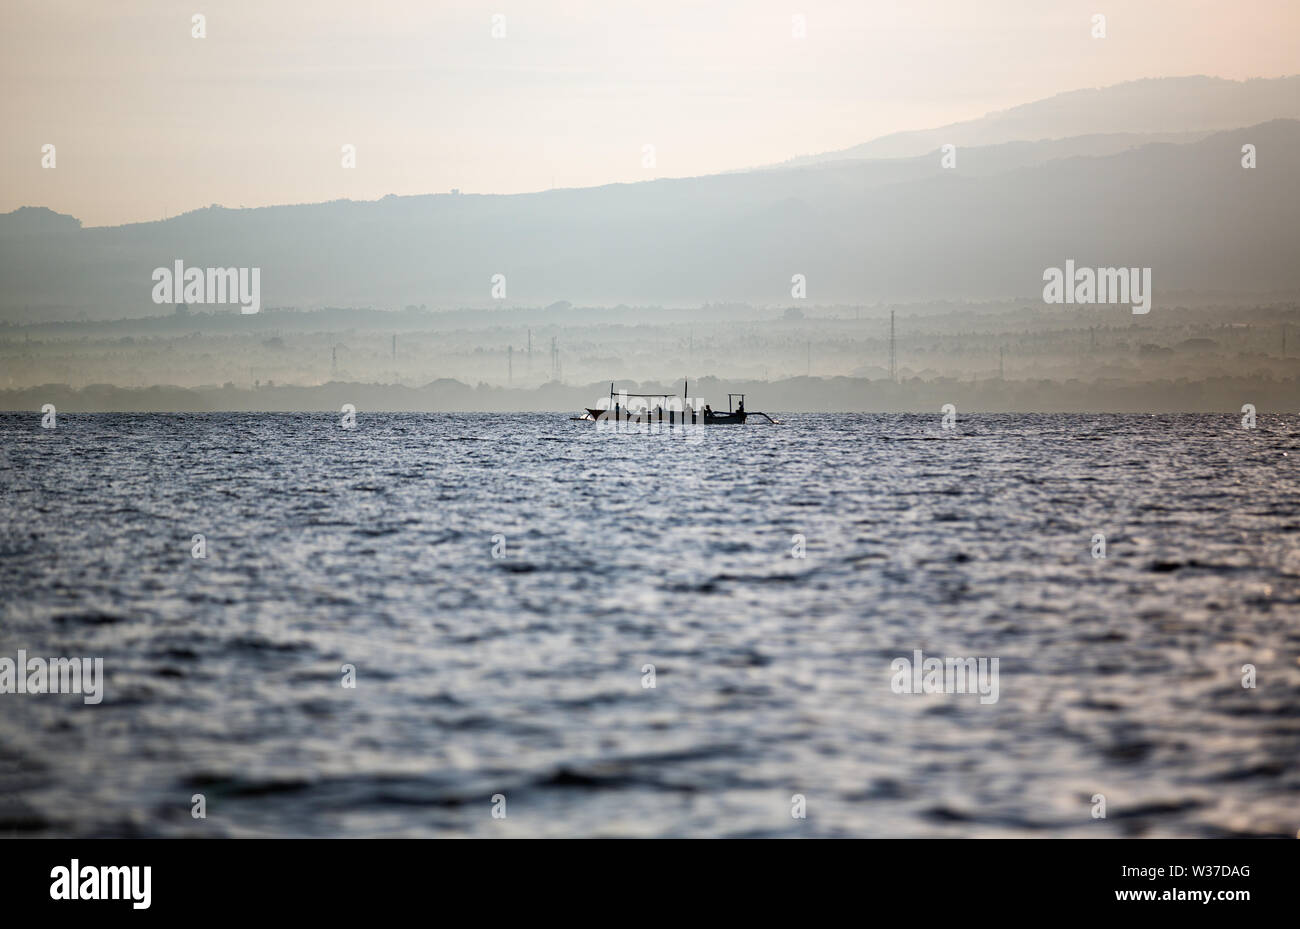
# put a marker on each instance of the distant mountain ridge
(859, 230)
(1170, 109)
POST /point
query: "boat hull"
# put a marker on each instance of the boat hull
(672, 417)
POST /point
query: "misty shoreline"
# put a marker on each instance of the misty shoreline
(793, 395)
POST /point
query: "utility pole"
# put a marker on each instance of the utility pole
(893, 357)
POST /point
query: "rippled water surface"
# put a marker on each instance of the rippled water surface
(522, 675)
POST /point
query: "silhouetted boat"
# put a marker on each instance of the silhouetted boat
(674, 414)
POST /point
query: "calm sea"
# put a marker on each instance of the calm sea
(506, 588)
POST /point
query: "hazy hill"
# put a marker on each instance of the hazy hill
(859, 230)
(1152, 110)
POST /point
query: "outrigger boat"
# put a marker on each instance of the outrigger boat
(672, 414)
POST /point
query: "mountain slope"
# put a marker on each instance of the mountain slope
(860, 232)
(1171, 109)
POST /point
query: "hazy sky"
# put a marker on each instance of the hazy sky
(149, 121)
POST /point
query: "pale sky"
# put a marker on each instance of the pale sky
(148, 121)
